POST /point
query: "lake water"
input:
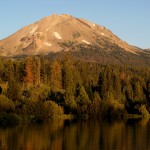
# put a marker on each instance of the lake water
(78, 135)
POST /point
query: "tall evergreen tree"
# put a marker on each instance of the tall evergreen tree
(81, 96)
(68, 83)
(14, 91)
(29, 75)
(103, 85)
(37, 71)
(117, 87)
(8, 70)
(56, 75)
(44, 70)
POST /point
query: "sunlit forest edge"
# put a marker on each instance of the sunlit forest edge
(35, 89)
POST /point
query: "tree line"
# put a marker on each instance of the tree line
(36, 88)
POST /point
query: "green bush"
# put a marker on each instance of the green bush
(111, 110)
(144, 111)
(37, 93)
(6, 104)
(52, 109)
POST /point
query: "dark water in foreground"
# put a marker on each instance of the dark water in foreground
(78, 135)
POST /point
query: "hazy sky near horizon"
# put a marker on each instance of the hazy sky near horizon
(128, 19)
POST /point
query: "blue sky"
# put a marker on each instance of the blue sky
(128, 19)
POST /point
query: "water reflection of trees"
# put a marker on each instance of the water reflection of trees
(77, 135)
(32, 137)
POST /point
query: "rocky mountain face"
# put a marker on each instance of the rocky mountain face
(148, 50)
(61, 33)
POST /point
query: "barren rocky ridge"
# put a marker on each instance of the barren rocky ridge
(57, 33)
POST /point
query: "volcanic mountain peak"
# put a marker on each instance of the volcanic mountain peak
(57, 33)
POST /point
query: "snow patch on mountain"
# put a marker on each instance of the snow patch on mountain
(57, 35)
(47, 44)
(86, 42)
(38, 49)
(34, 29)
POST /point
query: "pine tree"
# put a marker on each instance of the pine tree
(14, 91)
(9, 70)
(129, 92)
(117, 87)
(56, 76)
(37, 71)
(29, 76)
(82, 97)
(69, 84)
(19, 71)
(44, 71)
(138, 92)
(103, 86)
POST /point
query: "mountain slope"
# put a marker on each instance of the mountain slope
(58, 33)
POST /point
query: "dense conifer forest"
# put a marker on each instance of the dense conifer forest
(36, 89)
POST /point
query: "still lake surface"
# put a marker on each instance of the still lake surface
(78, 135)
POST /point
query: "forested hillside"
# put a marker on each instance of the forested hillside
(36, 88)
